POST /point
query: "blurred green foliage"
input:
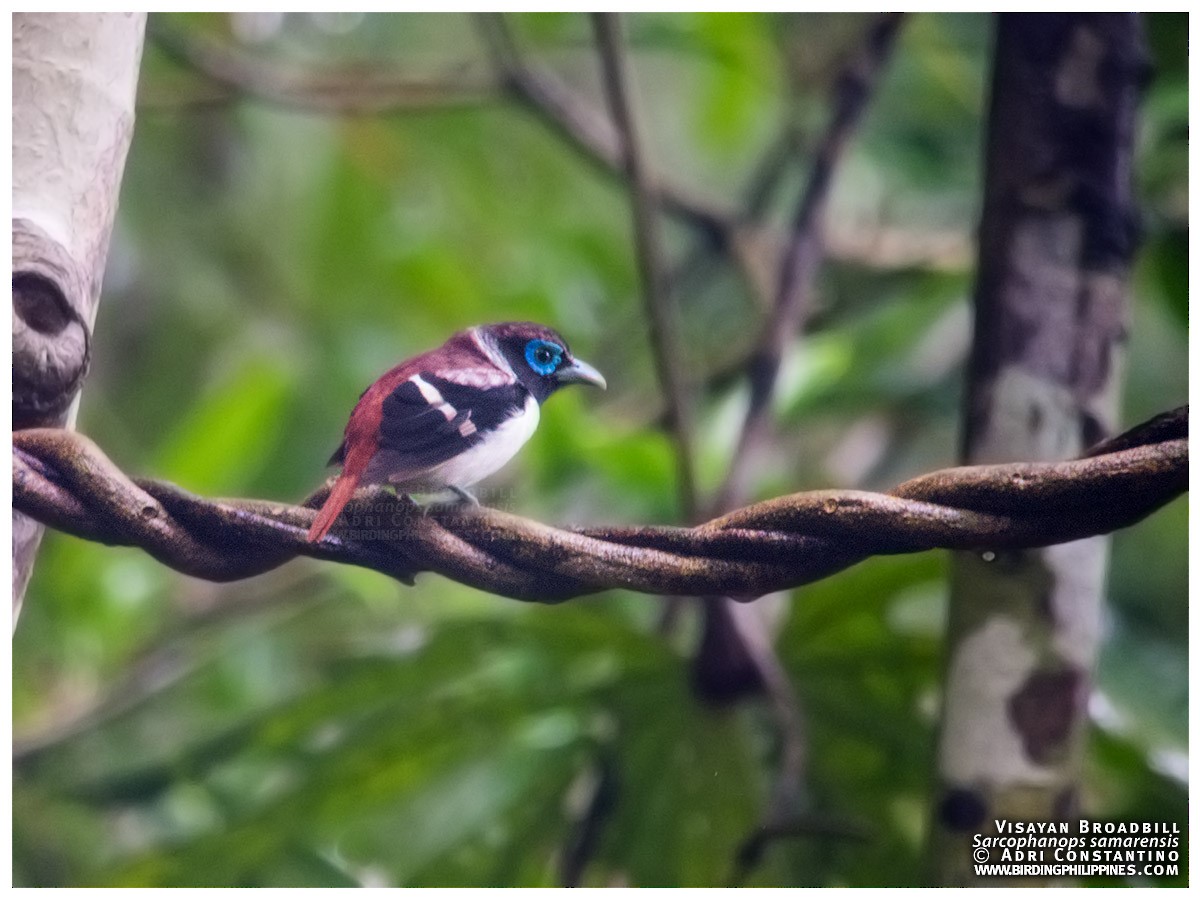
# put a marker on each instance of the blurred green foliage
(322, 725)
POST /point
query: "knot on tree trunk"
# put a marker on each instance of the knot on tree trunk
(51, 336)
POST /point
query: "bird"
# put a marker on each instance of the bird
(450, 417)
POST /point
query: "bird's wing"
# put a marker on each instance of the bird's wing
(412, 419)
(427, 419)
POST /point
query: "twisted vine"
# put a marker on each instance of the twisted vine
(64, 480)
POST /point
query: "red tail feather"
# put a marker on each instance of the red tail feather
(343, 490)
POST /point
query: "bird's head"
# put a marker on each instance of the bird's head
(540, 358)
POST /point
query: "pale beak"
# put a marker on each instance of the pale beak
(579, 372)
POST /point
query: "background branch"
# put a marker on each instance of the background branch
(347, 90)
(852, 90)
(178, 653)
(661, 311)
(583, 128)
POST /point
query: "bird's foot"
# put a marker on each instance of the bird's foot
(464, 495)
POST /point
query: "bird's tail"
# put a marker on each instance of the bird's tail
(343, 490)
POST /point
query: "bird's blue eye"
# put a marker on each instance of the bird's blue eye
(543, 356)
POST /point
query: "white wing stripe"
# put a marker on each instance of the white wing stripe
(434, 398)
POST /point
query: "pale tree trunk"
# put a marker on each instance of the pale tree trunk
(74, 82)
(1055, 247)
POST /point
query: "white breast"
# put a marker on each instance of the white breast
(484, 458)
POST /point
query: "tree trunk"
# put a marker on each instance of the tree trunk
(1055, 247)
(74, 82)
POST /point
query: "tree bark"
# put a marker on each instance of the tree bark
(1055, 247)
(74, 83)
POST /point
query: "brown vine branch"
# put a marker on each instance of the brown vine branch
(64, 480)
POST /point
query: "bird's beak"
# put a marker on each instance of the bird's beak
(579, 372)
